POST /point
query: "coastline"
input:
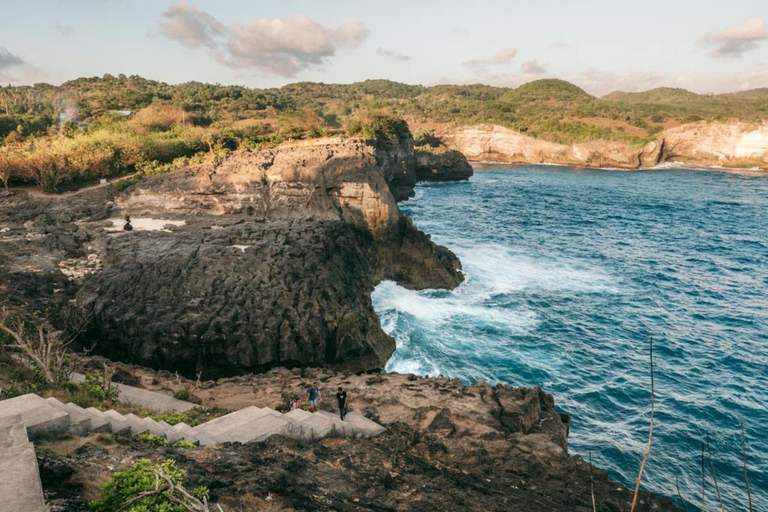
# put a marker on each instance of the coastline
(478, 165)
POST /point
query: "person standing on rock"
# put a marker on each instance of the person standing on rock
(341, 396)
(314, 394)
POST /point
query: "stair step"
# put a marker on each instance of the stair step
(20, 487)
(98, 423)
(341, 428)
(367, 427)
(138, 425)
(13, 432)
(79, 423)
(145, 397)
(39, 416)
(257, 430)
(231, 421)
(193, 436)
(116, 425)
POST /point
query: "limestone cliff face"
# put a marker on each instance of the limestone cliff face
(706, 144)
(440, 164)
(720, 144)
(274, 265)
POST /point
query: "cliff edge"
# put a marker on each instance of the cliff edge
(730, 145)
(263, 259)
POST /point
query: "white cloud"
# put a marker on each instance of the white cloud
(65, 30)
(281, 47)
(500, 57)
(504, 56)
(734, 41)
(533, 67)
(392, 54)
(7, 59)
(559, 45)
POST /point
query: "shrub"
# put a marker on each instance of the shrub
(182, 394)
(153, 440)
(185, 445)
(100, 390)
(148, 480)
(192, 417)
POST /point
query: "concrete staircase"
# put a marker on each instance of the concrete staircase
(29, 417)
(20, 488)
(42, 416)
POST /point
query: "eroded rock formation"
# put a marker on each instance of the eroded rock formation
(738, 145)
(265, 259)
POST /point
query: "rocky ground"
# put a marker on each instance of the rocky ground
(263, 259)
(447, 447)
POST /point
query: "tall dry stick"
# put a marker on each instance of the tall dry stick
(592, 483)
(677, 485)
(650, 433)
(746, 476)
(703, 482)
(714, 477)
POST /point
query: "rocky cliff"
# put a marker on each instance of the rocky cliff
(263, 259)
(440, 164)
(735, 145)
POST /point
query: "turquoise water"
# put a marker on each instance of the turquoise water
(567, 272)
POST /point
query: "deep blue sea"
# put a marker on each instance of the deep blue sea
(567, 273)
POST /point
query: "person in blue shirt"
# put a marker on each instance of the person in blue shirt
(314, 394)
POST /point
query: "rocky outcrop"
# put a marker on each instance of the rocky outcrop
(263, 259)
(718, 144)
(440, 164)
(447, 446)
(736, 145)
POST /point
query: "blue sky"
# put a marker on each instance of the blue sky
(601, 45)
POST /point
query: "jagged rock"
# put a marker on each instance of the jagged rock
(440, 164)
(263, 259)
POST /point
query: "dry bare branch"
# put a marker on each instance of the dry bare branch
(592, 483)
(746, 476)
(650, 433)
(714, 477)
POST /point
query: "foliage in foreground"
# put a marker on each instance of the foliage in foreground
(145, 487)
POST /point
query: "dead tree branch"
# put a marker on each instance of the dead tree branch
(746, 476)
(714, 477)
(650, 432)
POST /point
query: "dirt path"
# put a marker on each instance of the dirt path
(36, 191)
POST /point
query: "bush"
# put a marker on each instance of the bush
(153, 440)
(192, 417)
(185, 445)
(98, 389)
(142, 478)
(182, 394)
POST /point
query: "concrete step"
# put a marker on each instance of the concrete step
(98, 423)
(20, 487)
(193, 436)
(157, 428)
(257, 430)
(145, 398)
(341, 428)
(39, 416)
(367, 427)
(214, 428)
(117, 425)
(13, 432)
(318, 427)
(136, 425)
(79, 423)
(173, 435)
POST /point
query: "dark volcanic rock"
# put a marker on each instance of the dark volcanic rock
(274, 263)
(290, 295)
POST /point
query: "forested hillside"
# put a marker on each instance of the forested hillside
(96, 127)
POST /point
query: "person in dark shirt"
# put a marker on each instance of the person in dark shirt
(341, 396)
(314, 394)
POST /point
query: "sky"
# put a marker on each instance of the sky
(707, 46)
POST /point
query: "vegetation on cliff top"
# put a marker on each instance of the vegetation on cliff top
(92, 128)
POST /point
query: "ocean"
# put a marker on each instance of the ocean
(569, 272)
